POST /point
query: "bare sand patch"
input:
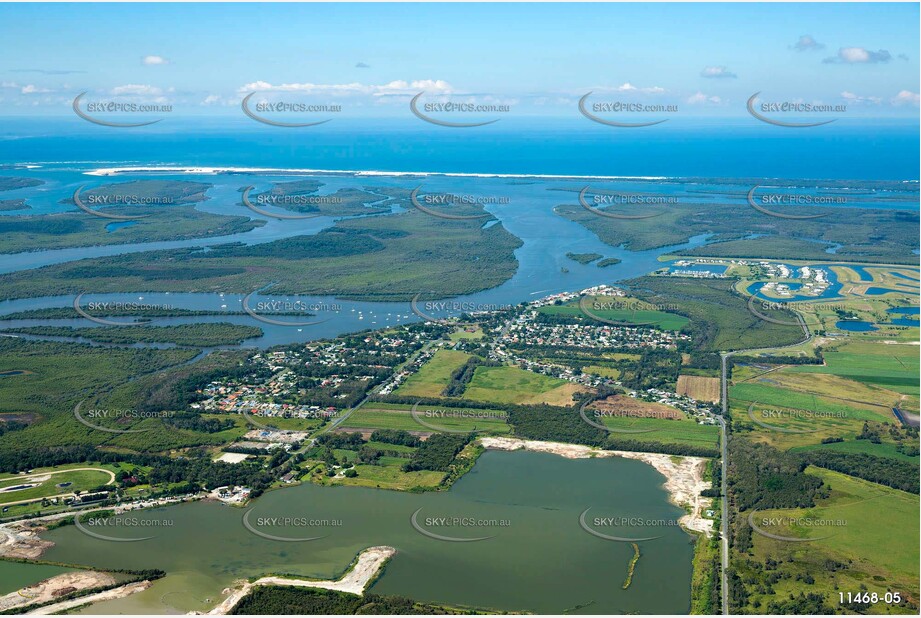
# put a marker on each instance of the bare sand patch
(17, 541)
(233, 457)
(49, 589)
(105, 595)
(365, 568)
(683, 475)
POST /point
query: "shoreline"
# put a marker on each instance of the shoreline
(291, 171)
(213, 170)
(365, 569)
(683, 480)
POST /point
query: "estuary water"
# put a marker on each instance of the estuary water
(538, 559)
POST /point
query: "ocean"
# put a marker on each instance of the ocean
(731, 148)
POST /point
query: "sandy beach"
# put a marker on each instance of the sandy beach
(683, 475)
(106, 595)
(366, 567)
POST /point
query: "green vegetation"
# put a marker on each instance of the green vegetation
(385, 258)
(895, 367)
(286, 600)
(60, 375)
(626, 310)
(8, 205)
(584, 258)
(513, 385)
(670, 431)
(433, 377)
(8, 183)
(153, 199)
(866, 235)
(605, 372)
(374, 415)
(874, 548)
(438, 452)
(59, 483)
(719, 316)
(632, 566)
(301, 196)
(202, 335)
(883, 470)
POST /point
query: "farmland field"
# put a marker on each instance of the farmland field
(699, 388)
(434, 375)
(398, 416)
(514, 385)
(890, 366)
(670, 431)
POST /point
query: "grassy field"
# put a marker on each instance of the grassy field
(605, 372)
(49, 484)
(434, 375)
(514, 385)
(801, 419)
(699, 388)
(388, 475)
(670, 431)
(644, 313)
(894, 367)
(398, 416)
(464, 334)
(876, 536)
(886, 449)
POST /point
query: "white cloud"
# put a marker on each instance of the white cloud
(699, 98)
(859, 55)
(906, 97)
(137, 89)
(807, 43)
(154, 60)
(717, 73)
(397, 87)
(33, 89)
(628, 87)
(850, 97)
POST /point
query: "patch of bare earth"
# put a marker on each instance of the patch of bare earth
(622, 405)
(700, 388)
(55, 587)
(366, 567)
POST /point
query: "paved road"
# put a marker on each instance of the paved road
(724, 399)
(724, 500)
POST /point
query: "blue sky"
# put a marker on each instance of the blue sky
(538, 59)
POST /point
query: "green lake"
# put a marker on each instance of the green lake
(538, 557)
(16, 575)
